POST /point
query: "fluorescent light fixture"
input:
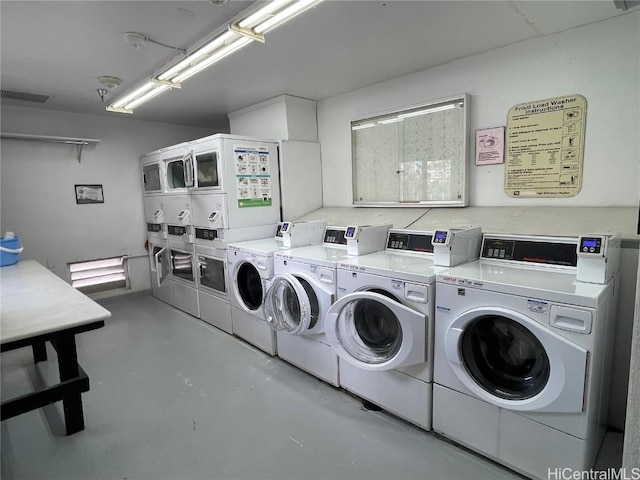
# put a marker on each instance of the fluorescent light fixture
(195, 57)
(136, 93)
(285, 15)
(239, 32)
(217, 56)
(147, 96)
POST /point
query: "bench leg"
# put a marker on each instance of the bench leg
(69, 369)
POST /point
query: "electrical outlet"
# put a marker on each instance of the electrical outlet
(50, 264)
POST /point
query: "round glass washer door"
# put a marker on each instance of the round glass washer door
(291, 305)
(249, 286)
(375, 332)
(504, 357)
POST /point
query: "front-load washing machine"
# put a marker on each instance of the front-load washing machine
(251, 266)
(302, 290)
(381, 326)
(523, 352)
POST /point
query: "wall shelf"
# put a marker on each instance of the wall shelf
(78, 142)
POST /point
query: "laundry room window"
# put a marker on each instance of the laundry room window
(417, 156)
(97, 276)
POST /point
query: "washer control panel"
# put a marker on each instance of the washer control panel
(590, 245)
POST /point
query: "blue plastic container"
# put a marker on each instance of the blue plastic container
(9, 251)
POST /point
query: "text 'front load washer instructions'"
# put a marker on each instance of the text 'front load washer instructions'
(253, 179)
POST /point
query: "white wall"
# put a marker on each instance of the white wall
(37, 186)
(599, 61)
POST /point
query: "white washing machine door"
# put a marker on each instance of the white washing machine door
(247, 286)
(296, 305)
(374, 332)
(509, 360)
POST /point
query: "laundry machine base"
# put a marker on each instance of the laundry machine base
(310, 355)
(526, 446)
(254, 330)
(161, 292)
(185, 298)
(215, 311)
(398, 393)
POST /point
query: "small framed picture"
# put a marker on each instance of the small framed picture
(490, 146)
(89, 194)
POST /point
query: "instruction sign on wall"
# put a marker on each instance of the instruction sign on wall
(253, 179)
(545, 147)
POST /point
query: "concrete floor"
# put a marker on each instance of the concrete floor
(174, 398)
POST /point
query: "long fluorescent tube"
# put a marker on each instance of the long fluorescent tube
(137, 92)
(263, 12)
(146, 97)
(195, 56)
(285, 15)
(215, 57)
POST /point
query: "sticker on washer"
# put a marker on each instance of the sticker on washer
(536, 306)
(253, 179)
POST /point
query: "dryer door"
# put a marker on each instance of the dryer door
(511, 361)
(293, 306)
(374, 332)
(161, 263)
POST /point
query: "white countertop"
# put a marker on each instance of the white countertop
(34, 301)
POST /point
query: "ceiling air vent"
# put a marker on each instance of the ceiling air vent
(24, 96)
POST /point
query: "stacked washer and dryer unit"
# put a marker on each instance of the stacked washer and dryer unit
(201, 195)
(381, 326)
(523, 349)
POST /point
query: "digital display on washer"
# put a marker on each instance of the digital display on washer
(284, 227)
(154, 227)
(440, 236)
(351, 232)
(414, 242)
(206, 234)
(549, 253)
(279, 230)
(591, 244)
(335, 236)
(176, 230)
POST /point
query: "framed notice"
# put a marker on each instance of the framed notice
(490, 146)
(545, 148)
(89, 194)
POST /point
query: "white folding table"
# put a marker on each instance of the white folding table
(36, 306)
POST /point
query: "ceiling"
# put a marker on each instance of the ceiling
(60, 48)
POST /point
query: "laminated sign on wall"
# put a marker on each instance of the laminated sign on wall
(545, 147)
(253, 179)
